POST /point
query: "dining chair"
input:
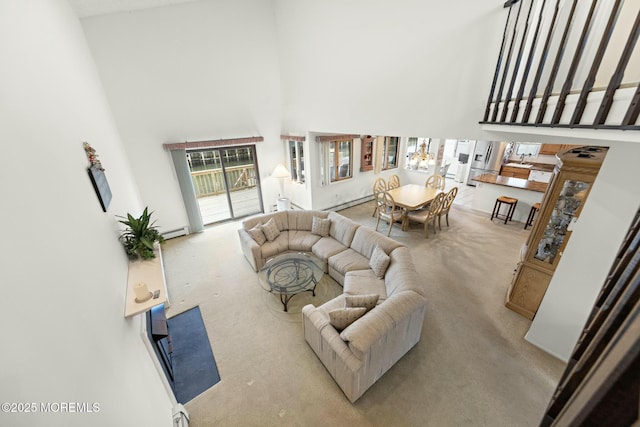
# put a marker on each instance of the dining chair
(428, 216)
(388, 211)
(444, 168)
(435, 181)
(446, 206)
(394, 182)
(379, 186)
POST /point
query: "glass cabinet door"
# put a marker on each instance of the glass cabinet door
(366, 155)
(567, 206)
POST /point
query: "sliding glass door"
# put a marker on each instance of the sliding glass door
(226, 182)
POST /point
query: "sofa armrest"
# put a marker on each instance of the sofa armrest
(325, 340)
(250, 249)
(405, 303)
(373, 326)
(366, 331)
(314, 317)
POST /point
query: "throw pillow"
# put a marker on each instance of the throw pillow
(343, 317)
(379, 262)
(320, 226)
(367, 301)
(270, 230)
(257, 234)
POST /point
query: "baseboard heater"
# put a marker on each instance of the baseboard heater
(176, 233)
(349, 204)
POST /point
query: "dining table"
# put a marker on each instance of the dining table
(411, 197)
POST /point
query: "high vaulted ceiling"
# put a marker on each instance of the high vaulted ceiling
(85, 8)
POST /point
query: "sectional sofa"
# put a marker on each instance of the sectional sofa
(371, 268)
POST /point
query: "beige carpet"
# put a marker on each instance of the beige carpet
(471, 367)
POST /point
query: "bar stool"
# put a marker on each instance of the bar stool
(532, 213)
(510, 201)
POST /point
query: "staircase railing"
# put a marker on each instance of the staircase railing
(568, 63)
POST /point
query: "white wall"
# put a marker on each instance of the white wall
(407, 67)
(190, 72)
(63, 273)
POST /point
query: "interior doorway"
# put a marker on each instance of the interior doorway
(226, 182)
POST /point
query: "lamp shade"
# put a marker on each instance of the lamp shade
(280, 172)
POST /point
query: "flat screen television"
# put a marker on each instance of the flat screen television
(100, 184)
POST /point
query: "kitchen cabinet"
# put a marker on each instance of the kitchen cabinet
(514, 172)
(551, 149)
(561, 206)
(366, 154)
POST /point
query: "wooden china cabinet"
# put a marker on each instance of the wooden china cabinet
(568, 189)
(366, 159)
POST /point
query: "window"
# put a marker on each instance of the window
(340, 160)
(390, 152)
(418, 156)
(412, 148)
(336, 160)
(203, 160)
(527, 149)
(296, 160)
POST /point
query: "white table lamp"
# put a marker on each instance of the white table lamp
(281, 173)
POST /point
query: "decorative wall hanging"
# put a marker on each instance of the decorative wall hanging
(97, 176)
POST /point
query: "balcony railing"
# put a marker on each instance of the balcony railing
(211, 182)
(568, 63)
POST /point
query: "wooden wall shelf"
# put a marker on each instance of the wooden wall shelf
(150, 272)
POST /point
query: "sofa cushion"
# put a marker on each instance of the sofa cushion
(327, 247)
(363, 282)
(401, 274)
(302, 240)
(302, 220)
(343, 317)
(379, 262)
(321, 226)
(342, 228)
(366, 239)
(367, 301)
(280, 218)
(270, 230)
(348, 260)
(257, 234)
(278, 246)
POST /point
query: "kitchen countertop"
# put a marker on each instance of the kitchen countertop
(523, 184)
(547, 167)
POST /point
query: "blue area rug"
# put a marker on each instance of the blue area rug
(194, 367)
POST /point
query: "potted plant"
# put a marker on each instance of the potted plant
(140, 235)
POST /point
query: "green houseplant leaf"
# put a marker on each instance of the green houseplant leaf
(140, 235)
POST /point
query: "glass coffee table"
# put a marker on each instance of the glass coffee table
(290, 274)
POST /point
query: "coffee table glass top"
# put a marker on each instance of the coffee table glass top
(291, 273)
